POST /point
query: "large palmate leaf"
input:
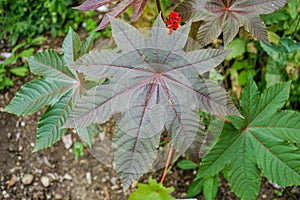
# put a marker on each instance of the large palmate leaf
(265, 143)
(137, 9)
(58, 89)
(228, 16)
(155, 85)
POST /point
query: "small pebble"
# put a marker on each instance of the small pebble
(295, 190)
(58, 196)
(53, 176)
(11, 148)
(67, 177)
(20, 148)
(9, 136)
(23, 123)
(114, 187)
(101, 136)
(27, 179)
(12, 181)
(88, 177)
(32, 144)
(45, 181)
(67, 140)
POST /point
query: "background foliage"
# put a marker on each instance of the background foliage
(21, 19)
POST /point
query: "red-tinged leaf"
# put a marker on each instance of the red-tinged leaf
(93, 4)
(137, 8)
(228, 16)
(116, 11)
(154, 85)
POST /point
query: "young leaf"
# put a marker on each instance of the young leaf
(87, 44)
(152, 191)
(228, 16)
(186, 165)
(265, 143)
(154, 84)
(88, 134)
(71, 47)
(137, 9)
(58, 89)
(195, 188)
(210, 187)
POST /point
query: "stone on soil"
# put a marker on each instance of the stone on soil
(27, 179)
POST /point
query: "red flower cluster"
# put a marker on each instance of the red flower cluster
(173, 21)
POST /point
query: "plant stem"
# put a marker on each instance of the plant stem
(223, 118)
(159, 8)
(168, 161)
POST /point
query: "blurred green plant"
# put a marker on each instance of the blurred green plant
(284, 22)
(20, 19)
(245, 59)
(7, 67)
(152, 191)
(283, 64)
(241, 62)
(284, 50)
(78, 149)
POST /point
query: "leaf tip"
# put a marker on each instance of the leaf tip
(36, 149)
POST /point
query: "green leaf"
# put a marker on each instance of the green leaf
(210, 187)
(270, 101)
(87, 134)
(87, 44)
(238, 48)
(5, 82)
(273, 37)
(26, 53)
(195, 188)
(9, 60)
(78, 149)
(152, 191)
(49, 127)
(50, 64)
(275, 51)
(293, 8)
(290, 45)
(34, 95)
(164, 4)
(265, 143)
(276, 17)
(222, 153)
(71, 47)
(19, 71)
(186, 165)
(17, 47)
(273, 74)
(59, 88)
